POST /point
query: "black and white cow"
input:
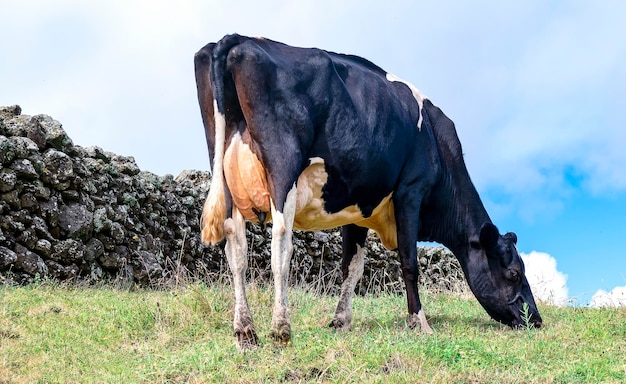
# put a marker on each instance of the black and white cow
(312, 140)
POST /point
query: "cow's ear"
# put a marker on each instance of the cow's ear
(489, 236)
(511, 236)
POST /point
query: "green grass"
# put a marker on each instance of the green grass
(56, 334)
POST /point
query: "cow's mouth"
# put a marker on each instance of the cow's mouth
(524, 315)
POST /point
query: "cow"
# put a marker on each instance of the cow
(310, 139)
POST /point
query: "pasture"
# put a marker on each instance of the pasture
(57, 334)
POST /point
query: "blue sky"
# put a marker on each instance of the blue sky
(536, 90)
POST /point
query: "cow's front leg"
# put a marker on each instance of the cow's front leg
(353, 260)
(407, 211)
(237, 255)
(282, 247)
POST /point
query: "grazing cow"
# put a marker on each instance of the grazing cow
(313, 140)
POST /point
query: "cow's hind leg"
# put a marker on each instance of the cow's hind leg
(237, 254)
(282, 248)
(353, 260)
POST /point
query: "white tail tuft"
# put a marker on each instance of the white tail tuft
(214, 210)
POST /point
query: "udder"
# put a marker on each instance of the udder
(246, 180)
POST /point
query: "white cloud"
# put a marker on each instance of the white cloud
(547, 283)
(615, 298)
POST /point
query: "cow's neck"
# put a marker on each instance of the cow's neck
(461, 214)
(453, 214)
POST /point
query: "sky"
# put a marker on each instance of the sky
(535, 88)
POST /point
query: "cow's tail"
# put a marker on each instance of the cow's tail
(214, 210)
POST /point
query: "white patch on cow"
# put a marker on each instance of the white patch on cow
(237, 255)
(419, 318)
(316, 160)
(423, 322)
(214, 209)
(220, 138)
(311, 216)
(355, 270)
(282, 247)
(417, 94)
(343, 314)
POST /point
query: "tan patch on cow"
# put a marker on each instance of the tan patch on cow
(246, 179)
(311, 216)
(248, 186)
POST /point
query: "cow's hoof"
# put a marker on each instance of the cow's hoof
(339, 325)
(281, 334)
(246, 338)
(418, 320)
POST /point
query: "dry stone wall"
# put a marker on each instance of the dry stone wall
(85, 214)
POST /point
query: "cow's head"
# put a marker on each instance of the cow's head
(495, 273)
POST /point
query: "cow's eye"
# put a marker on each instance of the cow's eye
(513, 275)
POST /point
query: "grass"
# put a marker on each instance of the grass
(59, 334)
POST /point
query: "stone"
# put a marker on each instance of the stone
(125, 165)
(43, 248)
(149, 268)
(7, 257)
(36, 133)
(117, 233)
(172, 203)
(86, 214)
(23, 146)
(24, 169)
(76, 221)
(188, 201)
(50, 212)
(41, 228)
(12, 198)
(8, 178)
(55, 135)
(62, 272)
(93, 249)
(59, 169)
(29, 262)
(55, 269)
(28, 238)
(321, 237)
(38, 189)
(96, 152)
(29, 202)
(116, 259)
(70, 195)
(95, 272)
(101, 221)
(68, 251)
(7, 150)
(10, 111)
